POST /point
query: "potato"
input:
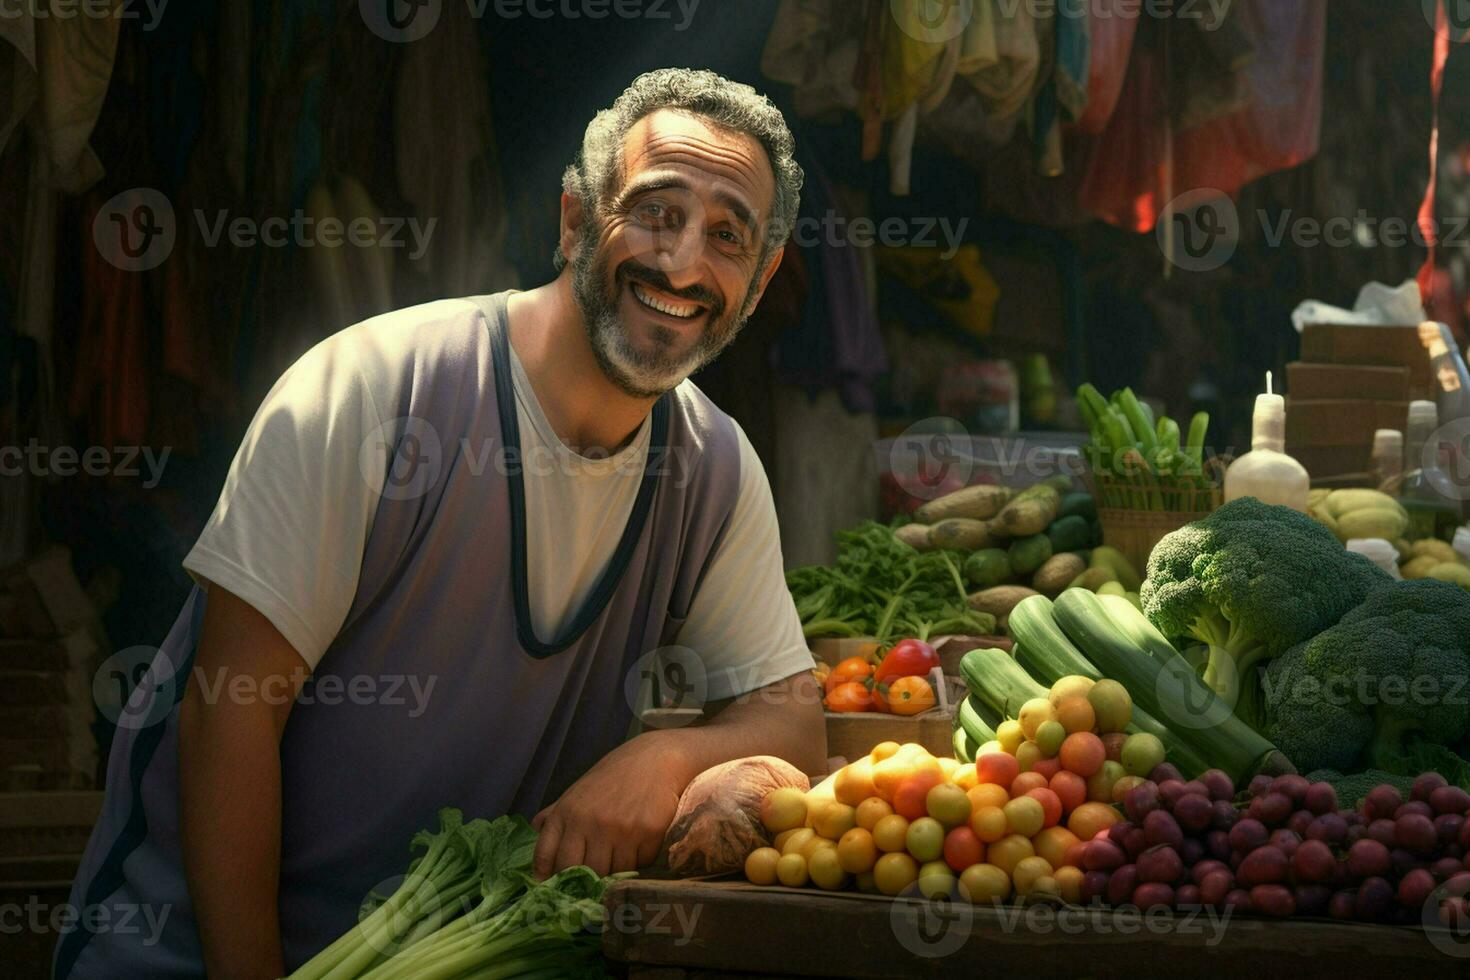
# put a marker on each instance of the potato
(999, 601)
(1058, 572)
(916, 536)
(961, 534)
(979, 503)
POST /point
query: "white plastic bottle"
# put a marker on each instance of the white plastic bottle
(1266, 472)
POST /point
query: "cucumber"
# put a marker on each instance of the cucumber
(1041, 646)
(1028, 554)
(999, 683)
(971, 719)
(1169, 691)
(988, 567)
(963, 750)
(1134, 625)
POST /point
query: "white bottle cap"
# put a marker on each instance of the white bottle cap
(1388, 442)
(1268, 424)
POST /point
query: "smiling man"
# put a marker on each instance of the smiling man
(504, 504)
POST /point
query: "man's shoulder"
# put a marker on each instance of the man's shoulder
(409, 341)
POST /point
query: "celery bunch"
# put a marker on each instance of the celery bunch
(469, 908)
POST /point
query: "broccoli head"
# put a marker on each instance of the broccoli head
(1388, 688)
(1250, 581)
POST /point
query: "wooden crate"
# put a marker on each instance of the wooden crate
(732, 929)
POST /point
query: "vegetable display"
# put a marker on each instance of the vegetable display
(1141, 463)
(468, 906)
(1384, 689)
(1250, 581)
(882, 587)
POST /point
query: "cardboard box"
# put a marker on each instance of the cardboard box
(1327, 462)
(1341, 422)
(1398, 346)
(1317, 382)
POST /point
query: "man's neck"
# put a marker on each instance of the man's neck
(589, 413)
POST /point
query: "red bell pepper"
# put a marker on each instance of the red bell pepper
(908, 658)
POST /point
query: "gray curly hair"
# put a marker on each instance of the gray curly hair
(730, 105)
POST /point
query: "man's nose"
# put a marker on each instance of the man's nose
(679, 254)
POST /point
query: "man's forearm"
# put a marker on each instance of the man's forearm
(783, 719)
(230, 801)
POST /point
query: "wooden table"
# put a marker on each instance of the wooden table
(668, 930)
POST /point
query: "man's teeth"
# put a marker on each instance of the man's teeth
(679, 310)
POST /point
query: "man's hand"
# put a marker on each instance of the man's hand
(614, 818)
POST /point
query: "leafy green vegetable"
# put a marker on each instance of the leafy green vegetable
(1384, 689)
(468, 907)
(1250, 581)
(883, 588)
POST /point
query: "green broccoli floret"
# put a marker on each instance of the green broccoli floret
(1388, 688)
(1250, 581)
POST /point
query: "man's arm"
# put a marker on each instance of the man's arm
(614, 818)
(230, 786)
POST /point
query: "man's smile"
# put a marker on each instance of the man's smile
(661, 302)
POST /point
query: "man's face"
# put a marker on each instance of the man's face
(668, 272)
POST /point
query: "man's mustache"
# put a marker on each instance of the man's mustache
(631, 271)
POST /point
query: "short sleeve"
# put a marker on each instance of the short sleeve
(288, 533)
(742, 623)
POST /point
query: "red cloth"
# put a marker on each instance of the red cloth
(1130, 181)
(1112, 47)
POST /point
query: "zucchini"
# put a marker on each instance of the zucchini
(999, 683)
(973, 722)
(1168, 690)
(1041, 646)
(963, 750)
(1134, 625)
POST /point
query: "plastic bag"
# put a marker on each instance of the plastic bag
(718, 821)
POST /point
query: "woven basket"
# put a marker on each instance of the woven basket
(1135, 516)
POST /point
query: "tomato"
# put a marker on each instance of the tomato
(908, 658)
(852, 696)
(997, 767)
(961, 849)
(851, 669)
(909, 695)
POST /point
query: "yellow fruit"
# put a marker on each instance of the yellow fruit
(894, 872)
(910, 759)
(798, 840)
(1089, 818)
(1028, 755)
(1112, 706)
(871, 810)
(1045, 885)
(891, 833)
(987, 794)
(853, 783)
(1027, 870)
(1033, 713)
(866, 883)
(856, 851)
(1073, 685)
(1009, 851)
(760, 866)
(948, 766)
(1052, 844)
(1009, 735)
(814, 845)
(834, 820)
(936, 880)
(989, 824)
(1025, 816)
(1076, 714)
(964, 776)
(982, 883)
(825, 869)
(783, 809)
(783, 837)
(883, 750)
(791, 870)
(1069, 881)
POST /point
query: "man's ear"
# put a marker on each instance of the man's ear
(572, 216)
(766, 274)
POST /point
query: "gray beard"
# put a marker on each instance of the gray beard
(634, 372)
